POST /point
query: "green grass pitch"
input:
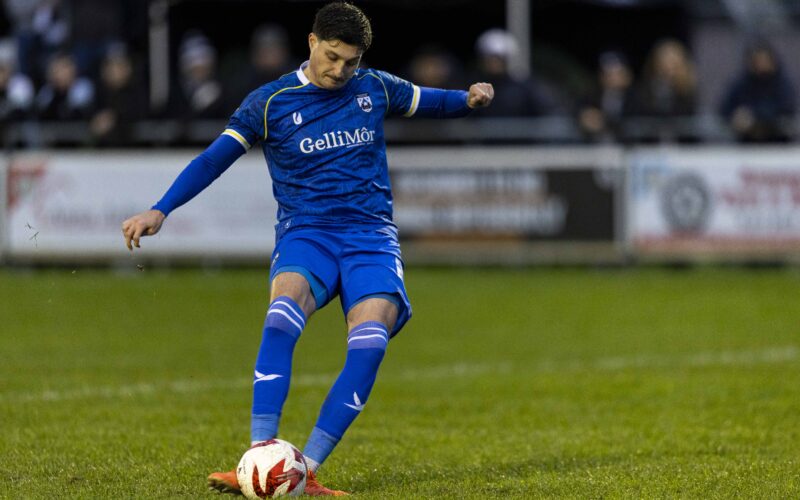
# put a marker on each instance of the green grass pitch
(539, 383)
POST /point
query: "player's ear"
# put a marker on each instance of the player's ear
(312, 41)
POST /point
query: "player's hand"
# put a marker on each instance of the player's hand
(144, 224)
(480, 95)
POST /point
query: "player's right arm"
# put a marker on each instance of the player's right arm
(243, 131)
(144, 224)
(197, 176)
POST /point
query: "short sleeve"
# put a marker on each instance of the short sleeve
(246, 123)
(403, 95)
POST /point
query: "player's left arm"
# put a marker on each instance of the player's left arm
(440, 103)
(480, 95)
(410, 100)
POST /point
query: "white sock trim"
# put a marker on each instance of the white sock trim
(312, 464)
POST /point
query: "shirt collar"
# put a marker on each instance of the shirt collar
(305, 81)
(302, 76)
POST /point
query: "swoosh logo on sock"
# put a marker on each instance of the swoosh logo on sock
(260, 377)
(358, 406)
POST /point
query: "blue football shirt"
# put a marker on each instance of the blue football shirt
(325, 149)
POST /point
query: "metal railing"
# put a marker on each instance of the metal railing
(542, 130)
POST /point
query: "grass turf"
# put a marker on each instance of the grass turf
(507, 383)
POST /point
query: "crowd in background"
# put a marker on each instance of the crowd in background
(55, 68)
(757, 103)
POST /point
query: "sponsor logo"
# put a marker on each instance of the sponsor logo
(297, 118)
(358, 406)
(364, 102)
(339, 139)
(686, 204)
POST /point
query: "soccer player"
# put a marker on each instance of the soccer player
(321, 130)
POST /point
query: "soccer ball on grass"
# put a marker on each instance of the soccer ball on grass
(271, 469)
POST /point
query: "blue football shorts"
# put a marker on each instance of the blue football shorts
(356, 265)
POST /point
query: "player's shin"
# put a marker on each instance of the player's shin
(282, 327)
(366, 346)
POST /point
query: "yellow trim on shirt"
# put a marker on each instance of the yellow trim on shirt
(270, 98)
(236, 135)
(414, 103)
(388, 104)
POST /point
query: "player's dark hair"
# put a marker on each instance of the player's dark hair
(343, 21)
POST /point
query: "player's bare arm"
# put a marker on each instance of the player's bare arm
(480, 95)
(146, 223)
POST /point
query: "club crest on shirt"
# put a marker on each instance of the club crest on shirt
(364, 102)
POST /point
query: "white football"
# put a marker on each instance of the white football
(272, 468)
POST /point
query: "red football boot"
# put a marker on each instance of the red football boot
(224, 482)
(314, 489)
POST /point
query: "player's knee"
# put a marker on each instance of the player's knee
(296, 287)
(375, 309)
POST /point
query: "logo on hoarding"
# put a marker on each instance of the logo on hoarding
(686, 204)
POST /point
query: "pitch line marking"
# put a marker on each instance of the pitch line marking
(187, 386)
(771, 355)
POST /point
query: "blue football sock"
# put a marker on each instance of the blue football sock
(366, 345)
(282, 327)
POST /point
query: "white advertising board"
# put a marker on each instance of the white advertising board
(716, 201)
(71, 205)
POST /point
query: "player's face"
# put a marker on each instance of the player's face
(332, 62)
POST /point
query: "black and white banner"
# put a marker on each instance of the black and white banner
(529, 195)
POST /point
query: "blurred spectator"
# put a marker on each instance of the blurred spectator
(16, 89)
(512, 97)
(433, 66)
(270, 58)
(120, 100)
(668, 84)
(601, 113)
(21, 13)
(41, 29)
(199, 93)
(65, 95)
(758, 102)
(95, 26)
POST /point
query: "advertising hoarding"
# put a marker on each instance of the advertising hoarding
(714, 201)
(71, 206)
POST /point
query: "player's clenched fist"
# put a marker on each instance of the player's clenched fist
(480, 95)
(144, 224)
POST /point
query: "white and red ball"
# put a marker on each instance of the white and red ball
(272, 468)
